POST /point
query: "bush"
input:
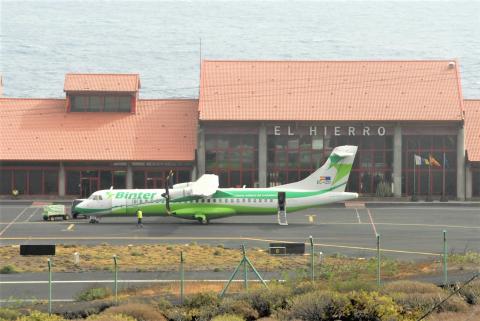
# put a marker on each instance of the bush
(93, 294)
(8, 314)
(266, 301)
(40, 316)
(8, 269)
(238, 307)
(202, 300)
(228, 317)
(352, 285)
(471, 292)
(81, 310)
(330, 306)
(138, 311)
(319, 305)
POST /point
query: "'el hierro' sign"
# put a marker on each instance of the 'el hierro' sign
(289, 130)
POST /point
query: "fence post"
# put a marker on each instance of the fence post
(378, 259)
(312, 259)
(445, 254)
(115, 278)
(245, 268)
(49, 287)
(182, 278)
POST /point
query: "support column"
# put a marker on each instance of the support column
(468, 182)
(61, 180)
(397, 161)
(262, 156)
(201, 151)
(129, 176)
(461, 163)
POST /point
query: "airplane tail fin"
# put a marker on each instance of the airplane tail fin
(332, 175)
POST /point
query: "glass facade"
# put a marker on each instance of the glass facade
(292, 158)
(429, 178)
(234, 158)
(475, 182)
(100, 103)
(155, 178)
(29, 181)
(84, 182)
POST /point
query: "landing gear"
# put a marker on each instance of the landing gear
(93, 220)
(202, 219)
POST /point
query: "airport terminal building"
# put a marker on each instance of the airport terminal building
(255, 124)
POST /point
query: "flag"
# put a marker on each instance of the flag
(433, 161)
(425, 161)
(418, 159)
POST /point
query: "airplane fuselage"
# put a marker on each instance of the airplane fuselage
(225, 202)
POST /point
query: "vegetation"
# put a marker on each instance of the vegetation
(93, 294)
(8, 269)
(293, 300)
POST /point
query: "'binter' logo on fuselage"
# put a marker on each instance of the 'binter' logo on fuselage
(131, 195)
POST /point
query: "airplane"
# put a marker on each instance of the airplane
(203, 200)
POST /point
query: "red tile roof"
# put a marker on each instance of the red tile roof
(102, 82)
(330, 90)
(39, 129)
(472, 129)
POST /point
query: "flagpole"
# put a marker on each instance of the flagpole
(429, 194)
(414, 196)
(443, 198)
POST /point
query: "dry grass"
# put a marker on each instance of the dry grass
(472, 315)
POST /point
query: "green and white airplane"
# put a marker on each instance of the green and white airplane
(203, 201)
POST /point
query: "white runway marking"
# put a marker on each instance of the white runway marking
(371, 221)
(11, 223)
(33, 214)
(358, 217)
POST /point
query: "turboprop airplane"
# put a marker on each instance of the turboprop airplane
(203, 200)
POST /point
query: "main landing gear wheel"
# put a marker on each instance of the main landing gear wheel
(93, 220)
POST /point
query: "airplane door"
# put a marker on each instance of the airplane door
(281, 201)
(282, 208)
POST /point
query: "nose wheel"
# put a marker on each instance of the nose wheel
(93, 220)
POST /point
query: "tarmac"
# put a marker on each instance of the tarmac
(413, 232)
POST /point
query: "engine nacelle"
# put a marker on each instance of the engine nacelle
(182, 185)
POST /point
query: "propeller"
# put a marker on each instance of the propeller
(166, 195)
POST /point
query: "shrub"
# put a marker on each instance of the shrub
(471, 292)
(319, 305)
(81, 310)
(228, 317)
(9, 269)
(40, 316)
(238, 307)
(266, 301)
(201, 300)
(163, 304)
(8, 314)
(329, 306)
(138, 311)
(93, 294)
(352, 285)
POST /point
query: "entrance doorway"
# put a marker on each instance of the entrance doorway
(88, 185)
(155, 182)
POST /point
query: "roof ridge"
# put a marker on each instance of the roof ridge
(103, 74)
(355, 60)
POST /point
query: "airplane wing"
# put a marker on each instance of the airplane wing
(205, 186)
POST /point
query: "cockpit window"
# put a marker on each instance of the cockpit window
(95, 197)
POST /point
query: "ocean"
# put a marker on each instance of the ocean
(164, 41)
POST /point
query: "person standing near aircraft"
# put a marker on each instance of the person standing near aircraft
(139, 217)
